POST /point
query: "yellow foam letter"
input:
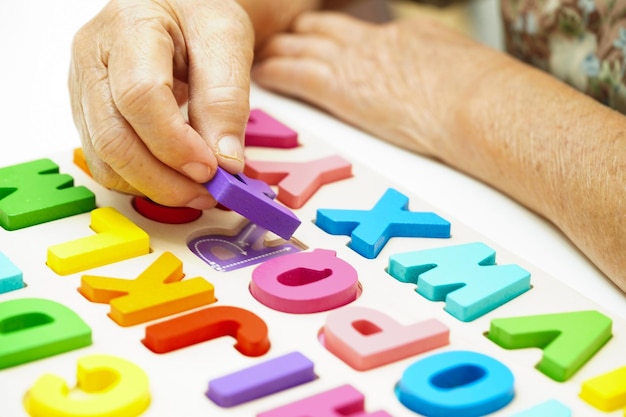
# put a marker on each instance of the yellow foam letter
(117, 239)
(113, 387)
(155, 293)
(606, 392)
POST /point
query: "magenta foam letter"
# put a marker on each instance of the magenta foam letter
(343, 401)
(305, 282)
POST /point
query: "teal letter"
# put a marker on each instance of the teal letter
(465, 276)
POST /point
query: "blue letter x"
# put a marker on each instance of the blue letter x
(390, 217)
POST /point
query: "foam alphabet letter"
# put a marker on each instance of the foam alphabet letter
(550, 408)
(116, 239)
(606, 392)
(305, 282)
(113, 386)
(165, 214)
(365, 338)
(343, 401)
(157, 292)
(261, 380)
(465, 276)
(456, 383)
(370, 230)
(35, 328)
(247, 328)
(11, 277)
(34, 192)
(298, 181)
(253, 199)
(568, 340)
(263, 130)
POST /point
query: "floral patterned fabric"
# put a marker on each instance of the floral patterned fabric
(582, 42)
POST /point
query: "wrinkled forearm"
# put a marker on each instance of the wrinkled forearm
(553, 149)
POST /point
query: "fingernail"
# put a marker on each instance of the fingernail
(197, 171)
(203, 202)
(229, 147)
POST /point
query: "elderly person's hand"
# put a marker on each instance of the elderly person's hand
(400, 81)
(132, 67)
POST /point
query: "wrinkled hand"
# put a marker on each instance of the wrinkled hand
(401, 81)
(132, 67)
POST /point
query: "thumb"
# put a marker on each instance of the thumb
(220, 45)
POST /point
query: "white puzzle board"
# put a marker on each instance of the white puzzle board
(178, 380)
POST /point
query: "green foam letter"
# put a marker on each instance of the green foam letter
(568, 340)
(34, 192)
(35, 328)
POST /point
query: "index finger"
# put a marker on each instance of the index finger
(141, 80)
(220, 46)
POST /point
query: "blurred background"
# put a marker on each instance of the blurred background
(478, 18)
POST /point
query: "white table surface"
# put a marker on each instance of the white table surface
(36, 122)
